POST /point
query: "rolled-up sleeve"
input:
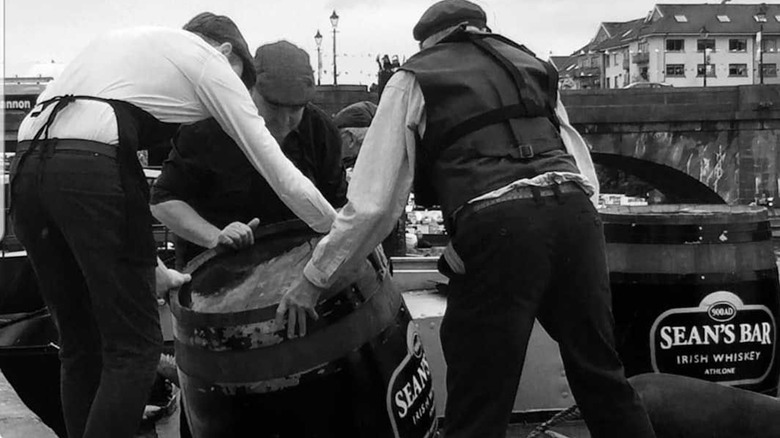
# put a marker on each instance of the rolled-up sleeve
(380, 184)
(578, 148)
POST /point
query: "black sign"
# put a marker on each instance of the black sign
(21, 102)
(723, 340)
(410, 401)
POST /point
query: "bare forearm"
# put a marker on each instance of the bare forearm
(185, 222)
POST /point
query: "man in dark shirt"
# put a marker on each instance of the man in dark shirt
(209, 194)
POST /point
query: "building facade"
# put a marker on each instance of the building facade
(686, 45)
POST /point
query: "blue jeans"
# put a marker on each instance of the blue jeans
(527, 259)
(88, 239)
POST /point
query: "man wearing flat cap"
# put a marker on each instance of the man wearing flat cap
(80, 200)
(208, 192)
(474, 124)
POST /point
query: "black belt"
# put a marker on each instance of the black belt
(522, 192)
(94, 147)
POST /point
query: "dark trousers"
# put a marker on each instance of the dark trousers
(527, 259)
(74, 218)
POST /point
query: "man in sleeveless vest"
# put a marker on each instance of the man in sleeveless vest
(80, 200)
(474, 123)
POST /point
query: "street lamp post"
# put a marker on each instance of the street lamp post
(761, 55)
(334, 21)
(704, 34)
(761, 18)
(318, 40)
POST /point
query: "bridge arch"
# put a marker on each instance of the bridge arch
(678, 187)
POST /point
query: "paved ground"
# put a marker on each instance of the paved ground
(16, 421)
(169, 428)
(573, 429)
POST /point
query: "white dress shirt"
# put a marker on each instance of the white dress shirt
(177, 77)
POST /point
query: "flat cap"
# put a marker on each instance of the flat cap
(448, 13)
(223, 30)
(357, 115)
(284, 74)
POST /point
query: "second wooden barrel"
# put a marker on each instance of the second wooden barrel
(695, 292)
(360, 371)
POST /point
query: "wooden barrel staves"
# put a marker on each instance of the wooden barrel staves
(695, 292)
(360, 370)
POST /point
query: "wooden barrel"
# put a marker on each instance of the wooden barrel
(695, 292)
(360, 370)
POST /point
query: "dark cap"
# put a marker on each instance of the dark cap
(448, 13)
(284, 74)
(357, 115)
(223, 30)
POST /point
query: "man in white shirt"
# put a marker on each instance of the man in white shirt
(80, 202)
(474, 122)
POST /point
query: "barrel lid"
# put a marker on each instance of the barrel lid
(684, 213)
(219, 272)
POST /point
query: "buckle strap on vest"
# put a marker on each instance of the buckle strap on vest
(514, 73)
(490, 118)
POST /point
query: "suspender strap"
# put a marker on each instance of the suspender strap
(506, 64)
(60, 103)
(552, 92)
(517, 76)
(480, 121)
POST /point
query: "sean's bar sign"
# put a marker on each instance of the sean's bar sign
(722, 340)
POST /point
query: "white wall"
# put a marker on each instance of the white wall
(659, 58)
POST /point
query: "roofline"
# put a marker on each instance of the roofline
(603, 26)
(614, 47)
(710, 34)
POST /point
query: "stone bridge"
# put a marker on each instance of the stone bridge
(689, 143)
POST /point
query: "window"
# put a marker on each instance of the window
(681, 18)
(770, 70)
(760, 18)
(777, 18)
(724, 19)
(608, 86)
(675, 45)
(676, 70)
(586, 62)
(643, 47)
(606, 62)
(710, 70)
(738, 70)
(738, 45)
(769, 45)
(705, 44)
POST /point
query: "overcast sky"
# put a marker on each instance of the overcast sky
(41, 31)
